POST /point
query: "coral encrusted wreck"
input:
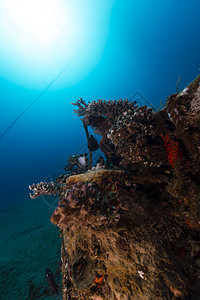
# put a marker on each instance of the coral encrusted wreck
(133, 231)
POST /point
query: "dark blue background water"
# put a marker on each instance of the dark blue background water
(149, 44)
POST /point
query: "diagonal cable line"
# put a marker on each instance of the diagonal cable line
(57, 76)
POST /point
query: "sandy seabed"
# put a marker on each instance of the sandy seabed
(29, 244)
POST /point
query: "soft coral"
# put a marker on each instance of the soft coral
(173, 149)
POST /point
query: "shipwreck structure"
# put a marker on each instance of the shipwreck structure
(132, 231)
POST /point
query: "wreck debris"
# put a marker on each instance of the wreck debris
(133, 232)
(184, 109)
(120, 231)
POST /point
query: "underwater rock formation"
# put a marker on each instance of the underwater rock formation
(118, 247)
(133, 232)
(184, 110)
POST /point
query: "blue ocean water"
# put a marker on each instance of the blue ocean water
(147, 46)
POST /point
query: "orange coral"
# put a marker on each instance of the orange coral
(99, 280)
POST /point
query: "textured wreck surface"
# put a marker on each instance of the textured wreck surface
(133, 231)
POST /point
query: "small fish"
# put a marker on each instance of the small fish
(82, 161)
(93, 145)
(51, 281)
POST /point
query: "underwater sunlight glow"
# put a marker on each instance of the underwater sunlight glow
(39, 37)
(37, 21)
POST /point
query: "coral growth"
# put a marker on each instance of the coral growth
(184, 109)
(174, 153)
(133, 232)
(44, 188)
(131, 135)
(102, 114)
(126, 256)
(136, 138)
(86, 203)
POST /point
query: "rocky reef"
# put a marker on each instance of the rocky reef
(133, 231)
